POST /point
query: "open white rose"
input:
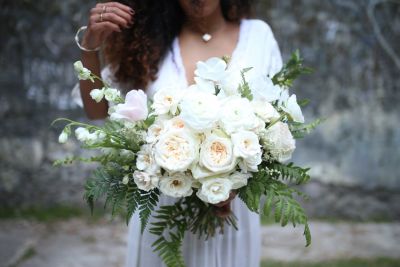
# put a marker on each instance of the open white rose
(176, 185)
(239, 179)
(279, 142)
(216, 154)
(215, 190)
(166, 100)
(145, 160)
(250, 164)
(265, 110)
(145, 181)
(176, 150)
(176, 123)
(237, 114)
(200, 110)
(245, 144)
(156, 129)
(213, 69)
(293, 109)
(263, 89)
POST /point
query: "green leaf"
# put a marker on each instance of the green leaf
(299, 130)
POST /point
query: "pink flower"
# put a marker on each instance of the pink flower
(134, 108)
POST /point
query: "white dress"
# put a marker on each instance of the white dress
(256, 48)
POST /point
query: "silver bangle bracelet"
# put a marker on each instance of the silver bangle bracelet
(83, 28)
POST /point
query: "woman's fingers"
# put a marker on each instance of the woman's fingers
(117, 5)
(106, 26)
(113, 14)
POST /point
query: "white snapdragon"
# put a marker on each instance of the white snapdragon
(293, 109)
(216, 154)
(83, 135)
(265, 110)
(176, 150)
(112, 95)
(200, 110)
(176, 185)
(97, 94)
(213, 69)
(166, 100)
(215, 190)
(63, 137)
(145, 181)
(279, 142)
(82, 72)
(263, 89)
(237, 114)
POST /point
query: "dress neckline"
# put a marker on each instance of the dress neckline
(177, 56)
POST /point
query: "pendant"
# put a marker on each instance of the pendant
(206, 37)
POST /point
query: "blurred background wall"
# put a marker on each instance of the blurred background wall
(353, 45)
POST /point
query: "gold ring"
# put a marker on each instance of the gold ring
(101, 17)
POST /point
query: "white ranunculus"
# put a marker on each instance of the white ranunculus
(237, 114)
(176, 123)
(215, 190)
(216, 154)
(279, 142)
(265, 110)
(145, 160)
(245, 144)
(63, 137)
(239, 179)
(166, 100)
(176, 150)
(200, 110)
(250, 164)
(97, 94)
(213, 69)
(203, 85)
(263, 89)
(293, 109)
(112, 94)
(82, 72)
(176, 185)
(145, 181)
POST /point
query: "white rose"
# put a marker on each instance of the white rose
(215, 190)
(216, 154)
(263, 89)
(156, 129)
(279, 142)
(176, 185)
(245, 144)
(251, 163)
(82, 72)
(145, 181)
(213, 69)
(200, 110)
(176, 150)
(145, 160)
(293, 109)
(166, 100)
(265, 110)
(112, 94)
(237, 114)
(176, 123)
(259, 127)
(239, 179)
(97, 94)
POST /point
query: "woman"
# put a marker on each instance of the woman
(155, 43)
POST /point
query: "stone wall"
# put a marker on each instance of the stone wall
(352, 44)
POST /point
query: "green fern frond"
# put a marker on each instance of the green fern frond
(147, 202)
(299, 130)
(291, 172)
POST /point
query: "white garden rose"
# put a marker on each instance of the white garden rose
(263, 89)
(166, 100)
(145, 181)
(293, 109)
(237, 114)
(245, 144)
(176, 123)
(250, 164)
(279, 142)
(176, 150)
(97, 94)
(213, 69)
(156, 129)
(145, 160)
(215, 190)
(176, 185)
(216, 154)
(200, 110)
(265, 110)
(239, 179)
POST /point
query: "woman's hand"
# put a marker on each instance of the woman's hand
(223, 209)
(104, 19)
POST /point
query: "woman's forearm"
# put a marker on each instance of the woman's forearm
(93, 110)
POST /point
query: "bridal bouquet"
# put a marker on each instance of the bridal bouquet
(225, 133)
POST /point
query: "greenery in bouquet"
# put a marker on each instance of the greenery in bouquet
(233, 130)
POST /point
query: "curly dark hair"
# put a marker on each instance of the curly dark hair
(135, 54)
